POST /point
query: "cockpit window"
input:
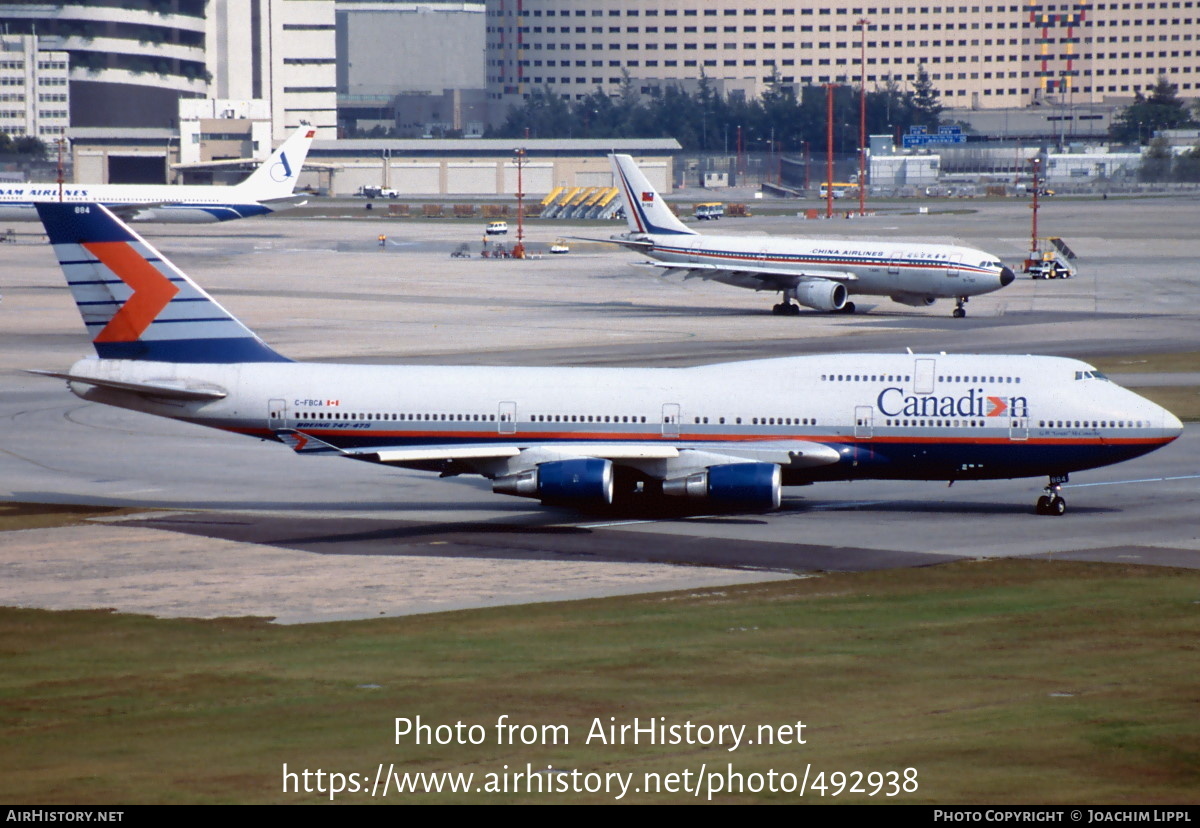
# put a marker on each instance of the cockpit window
(1093, 374)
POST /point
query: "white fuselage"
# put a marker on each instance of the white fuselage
(184, 203)
(910, 271)
(886, 416)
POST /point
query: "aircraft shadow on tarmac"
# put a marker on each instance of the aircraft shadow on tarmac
(367, 536)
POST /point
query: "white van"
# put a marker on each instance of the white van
(497, 228)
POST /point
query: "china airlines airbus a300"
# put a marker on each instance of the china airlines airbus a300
(268, 189)
(816, 273)
(726, 436)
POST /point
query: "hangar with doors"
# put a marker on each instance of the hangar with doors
(479, 166)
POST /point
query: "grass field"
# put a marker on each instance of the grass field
(1148, 363)
(1181, 400)
(998, 682)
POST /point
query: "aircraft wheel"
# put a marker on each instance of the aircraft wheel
(1058, 507)
(793, 310)
(1043, 505)
(959, 313)
(778, 310)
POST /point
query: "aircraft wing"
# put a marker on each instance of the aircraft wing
(772, 278)
(167, 389)
(297, 200)
(632, 244)
(130, 212)
(660, 459)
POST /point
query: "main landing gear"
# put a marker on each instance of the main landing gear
(787, 308)
(959, 310)
(1051, 502)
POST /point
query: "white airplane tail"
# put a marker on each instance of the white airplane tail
(645, 211)
(276, 177)
(135, 303)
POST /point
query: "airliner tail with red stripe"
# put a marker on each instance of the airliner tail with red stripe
(816, 273)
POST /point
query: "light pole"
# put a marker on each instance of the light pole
(1033, 243)
(829, 150)
(519, 247)
(862, 121)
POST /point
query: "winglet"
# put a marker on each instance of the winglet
(134, 302)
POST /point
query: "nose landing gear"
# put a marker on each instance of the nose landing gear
(959, 310)
(1052, 502)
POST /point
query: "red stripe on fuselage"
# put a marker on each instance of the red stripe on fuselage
(527, 436)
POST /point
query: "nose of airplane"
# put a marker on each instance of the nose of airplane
(1007, 277)
(1172, 427)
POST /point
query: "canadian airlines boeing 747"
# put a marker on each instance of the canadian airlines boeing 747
(266, 190)
(725, 436)
(816, 273)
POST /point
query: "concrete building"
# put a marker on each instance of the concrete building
(978, 55)
(480, 166)
(132, 61)
(213, 129)
(415, 67)
(280, 51)
(35, 97)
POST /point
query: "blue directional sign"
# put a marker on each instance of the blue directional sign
(919, 136)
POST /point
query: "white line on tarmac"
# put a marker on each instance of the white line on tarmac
(1125, 482)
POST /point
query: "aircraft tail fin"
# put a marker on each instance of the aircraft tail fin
(645, 211)
(135, 303)
(276, 177)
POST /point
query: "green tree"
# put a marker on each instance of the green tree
(544, 114)
(926, 103)
(22, 145)
(1156, 164)
(1187, 165)
(1163, 109)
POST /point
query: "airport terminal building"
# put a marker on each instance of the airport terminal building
(978, 54)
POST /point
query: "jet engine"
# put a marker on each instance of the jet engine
(582, 480)
(740, 485)
(914, 300)
(821, 294)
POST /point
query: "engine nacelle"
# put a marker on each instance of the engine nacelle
(740, 485)
(914, 301)
(582, 480)
(821, 294)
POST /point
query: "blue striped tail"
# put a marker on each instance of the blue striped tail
(134, 302)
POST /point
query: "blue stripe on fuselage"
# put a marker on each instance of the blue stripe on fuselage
(823, 260)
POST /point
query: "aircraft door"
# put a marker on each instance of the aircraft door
(276, 414)
(1018, 427)
(959, 275)
(923, 376)
(670, 419)
(864, 422)
(506, 418)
